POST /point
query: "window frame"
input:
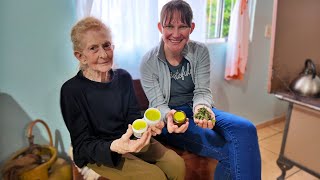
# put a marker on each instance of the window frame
(219, 21)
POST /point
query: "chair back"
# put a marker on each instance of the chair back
(141, 96)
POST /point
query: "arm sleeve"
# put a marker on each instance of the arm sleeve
(202, 92)
(86, 148)
(151, 86)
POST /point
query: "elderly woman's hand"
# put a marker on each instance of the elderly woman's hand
(204, 123)
(172, 128)
(126, 145)
(157, 129)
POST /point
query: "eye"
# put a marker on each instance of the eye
(93, 48)
(168, 27)
(107, 46)
(183, 27)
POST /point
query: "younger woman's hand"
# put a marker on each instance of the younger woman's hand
(204, 123)
(172, 128)
(125, 145)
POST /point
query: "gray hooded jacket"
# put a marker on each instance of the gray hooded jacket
(156, 81)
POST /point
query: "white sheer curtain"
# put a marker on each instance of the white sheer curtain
(134, 26)
(238, 41)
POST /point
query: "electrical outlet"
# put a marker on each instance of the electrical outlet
(267, 31)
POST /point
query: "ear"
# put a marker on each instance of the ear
(193, 25)
(160, 28)
(80, 57)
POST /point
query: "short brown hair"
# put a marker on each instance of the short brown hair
(179, 6)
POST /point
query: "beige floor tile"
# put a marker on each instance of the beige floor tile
(266, 132)
(278, 126)
(270, 169)
(270, 139)
(272, 143)
(302, 175)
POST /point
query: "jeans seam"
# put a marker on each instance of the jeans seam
(235, 142)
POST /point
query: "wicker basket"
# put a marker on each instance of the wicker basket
(41, 171)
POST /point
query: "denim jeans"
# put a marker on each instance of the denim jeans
(233, 142)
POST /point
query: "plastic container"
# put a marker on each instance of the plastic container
(139, 126)
(152, 116)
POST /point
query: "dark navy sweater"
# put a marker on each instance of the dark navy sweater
(96, 114)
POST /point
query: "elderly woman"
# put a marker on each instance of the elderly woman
(98, 105)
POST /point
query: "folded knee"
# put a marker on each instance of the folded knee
(156, 173)
(251, 127)
(176, 167)
(247, 125)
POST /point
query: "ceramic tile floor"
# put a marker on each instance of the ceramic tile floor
(270, 139)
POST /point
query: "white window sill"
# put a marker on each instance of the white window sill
(216, 40)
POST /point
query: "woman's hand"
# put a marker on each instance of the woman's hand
(172, 128)
(204, 123)
(126, 145)
(157, 129)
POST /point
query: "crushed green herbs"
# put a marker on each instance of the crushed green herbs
(203, 113)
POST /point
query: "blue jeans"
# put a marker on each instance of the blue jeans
(233, 142)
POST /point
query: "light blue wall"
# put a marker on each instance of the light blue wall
(36, 58)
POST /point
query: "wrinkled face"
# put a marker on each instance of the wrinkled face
(175, 34)
(97, 52)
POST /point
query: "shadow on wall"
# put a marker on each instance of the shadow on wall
(13, 129)
(58, 142)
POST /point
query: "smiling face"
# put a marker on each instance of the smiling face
(175, 34)
(97, 51)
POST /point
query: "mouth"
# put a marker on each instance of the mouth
(105, 63)
(175, 41)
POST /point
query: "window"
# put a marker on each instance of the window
(218, 17)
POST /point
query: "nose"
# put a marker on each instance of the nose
(176, 32)
(102, 53)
